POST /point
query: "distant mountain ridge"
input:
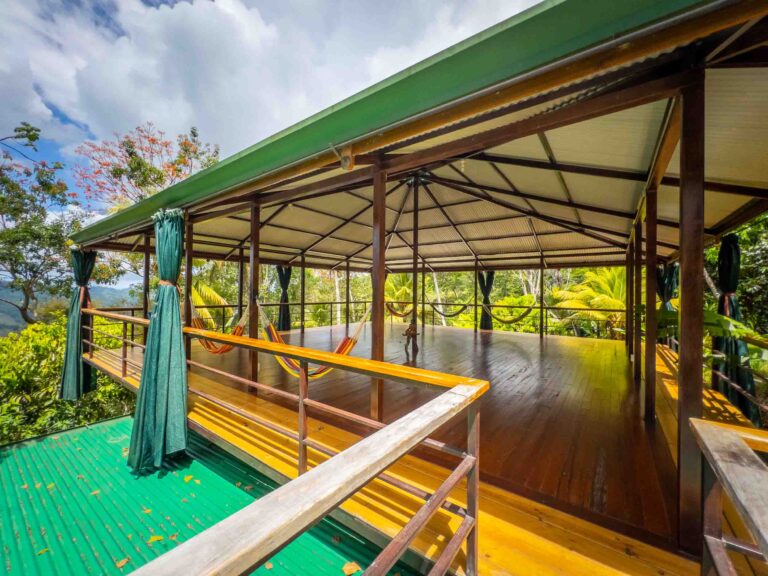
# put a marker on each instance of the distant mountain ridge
(11, 321)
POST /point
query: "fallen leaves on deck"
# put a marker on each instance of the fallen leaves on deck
(43, 551)
(188, 477)
(123, 562)
(154, 538)
(351, 568)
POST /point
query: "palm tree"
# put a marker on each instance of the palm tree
(398, 288)
(601, 289)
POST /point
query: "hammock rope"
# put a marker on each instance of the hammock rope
(445, 314)
(293, 366)
(510, 320)
(395, 312)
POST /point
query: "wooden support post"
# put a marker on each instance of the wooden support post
(378, 278)
(188, 250)
(240, 281)
(541, 299)
(253, 288)
(423, 297)
(415, 265)
(637, 298)
(628, 298)
(475, 296)
(651, 209)
(303, 293)
(473, 487)
(347, 296)
(145, 286)
(691, 314)
(303, 394)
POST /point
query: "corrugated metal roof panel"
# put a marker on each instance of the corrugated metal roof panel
(736, 125)
(604, 192)
(343, 205)
(287, 238)
(534, 181)
(528, 147)
(624, 139)
(72, 506)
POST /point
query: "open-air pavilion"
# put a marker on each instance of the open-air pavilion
(576, 134)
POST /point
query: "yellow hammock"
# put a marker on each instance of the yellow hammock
(292, 366)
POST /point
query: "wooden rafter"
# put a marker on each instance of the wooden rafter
(560, 178)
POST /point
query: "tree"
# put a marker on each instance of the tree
(601, 289)
(138, 164)
(35, 222)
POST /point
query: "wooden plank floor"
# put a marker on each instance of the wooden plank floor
(560, 423)
(517, 535)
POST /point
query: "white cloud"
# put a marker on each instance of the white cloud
(239, 70)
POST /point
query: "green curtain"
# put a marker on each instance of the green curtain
(485, 280)
(160, 421)
(735, 365)
(76, 377)
(284, 278)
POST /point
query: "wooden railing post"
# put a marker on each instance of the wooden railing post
(124, 356)
(473, 486)
(303, 393)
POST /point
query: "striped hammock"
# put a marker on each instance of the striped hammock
(292, 366)
(214, 347)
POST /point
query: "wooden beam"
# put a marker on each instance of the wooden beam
(450, 220)
(637, 298)
(188, 252)
(577, 112)
(253, 288)
(563, 184)
(629, 288)
(691, 314)
(584, 229)
(630, 175)
(415, 260)
(378, 278)
(240, 282)
(651, 209)
(474, 301)
(347, 297)
(541, 298)
(303, 293)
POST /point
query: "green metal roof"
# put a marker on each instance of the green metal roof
(547, 32)
(70, 505)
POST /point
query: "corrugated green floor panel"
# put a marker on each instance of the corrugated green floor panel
(70, 505)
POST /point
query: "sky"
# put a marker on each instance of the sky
(238, 70)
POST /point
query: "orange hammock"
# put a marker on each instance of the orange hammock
(292, 366)
(395, 312)
(214, 347)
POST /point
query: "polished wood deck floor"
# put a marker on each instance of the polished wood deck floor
(518, 536)
(560, 424)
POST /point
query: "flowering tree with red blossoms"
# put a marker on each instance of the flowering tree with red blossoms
(136, 165)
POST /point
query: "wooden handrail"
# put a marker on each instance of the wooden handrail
(243, 541)
(365, 366)
(731, 466)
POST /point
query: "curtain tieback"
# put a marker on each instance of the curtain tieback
(167, 283)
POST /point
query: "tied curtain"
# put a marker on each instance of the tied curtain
(284, 278)
(160, 420)
(77, 377)
(733, 366)
(485, 280)
(666, 285)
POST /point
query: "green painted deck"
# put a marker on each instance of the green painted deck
(70, 505)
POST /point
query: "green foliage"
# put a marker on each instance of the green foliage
(30, 368)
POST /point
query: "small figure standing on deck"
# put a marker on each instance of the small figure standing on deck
(410, 338)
